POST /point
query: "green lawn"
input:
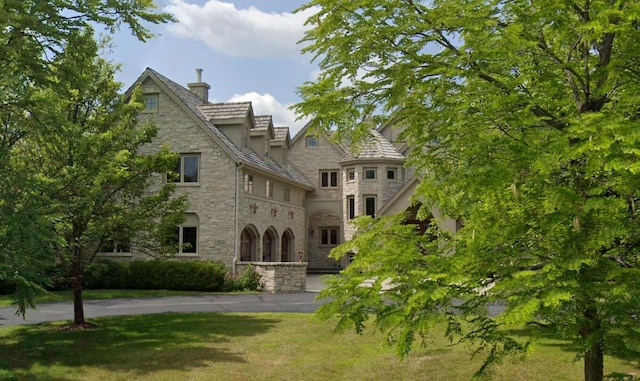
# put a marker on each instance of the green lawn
(67, 296)
(204, 346)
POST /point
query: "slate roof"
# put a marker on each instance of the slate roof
(376, 147)
(228, 110)
(262, 122)
(201, 109)
(280, 133)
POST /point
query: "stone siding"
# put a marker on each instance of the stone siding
(280, 277)
(212, 198)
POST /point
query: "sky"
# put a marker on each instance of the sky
(248, 50)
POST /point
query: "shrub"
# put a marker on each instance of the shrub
(157, 275)
(106, 275)
(249, 280)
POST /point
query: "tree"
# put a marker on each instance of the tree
(100, 186)
(523, 122)
(32, 34)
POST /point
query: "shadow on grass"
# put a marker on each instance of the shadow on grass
(137, 344)
(617, 345)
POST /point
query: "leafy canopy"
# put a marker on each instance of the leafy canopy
(522, 118)
(34, 34)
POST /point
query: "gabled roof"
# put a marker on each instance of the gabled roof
(263, 124)
(402, 196)
(304, 132)
(226, 112)
(194, 105)
(281, 133)
(376, 147)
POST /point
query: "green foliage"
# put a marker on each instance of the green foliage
(34, 34)
(156, 275)
(249, 280)
(522, 121)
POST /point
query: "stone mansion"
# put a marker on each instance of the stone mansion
(258, 195)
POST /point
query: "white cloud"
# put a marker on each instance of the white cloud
(247, 32)
(267, 104)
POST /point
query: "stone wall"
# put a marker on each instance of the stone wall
(279, 277)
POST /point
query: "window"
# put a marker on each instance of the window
(369, 173)
(185, 236)
(351, 207)
(115, 246)
(351, 174)
(189, 243)
(329, 179)
(248, 183)
(150, 102)
(287, 194)
(312, 141)
(186, 170)
(329, 236)
(370, 206)
(269, 189)
(391, 174)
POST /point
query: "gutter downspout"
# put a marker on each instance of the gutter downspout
(237, 212)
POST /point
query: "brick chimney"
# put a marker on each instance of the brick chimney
(199, 88)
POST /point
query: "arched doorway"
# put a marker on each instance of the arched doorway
(248, 246)
(269, 240)
(286, 246)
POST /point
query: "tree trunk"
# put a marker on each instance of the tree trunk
(78, 306)
(594, 363)
(594, 356)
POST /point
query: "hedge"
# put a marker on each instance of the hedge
(156, 275)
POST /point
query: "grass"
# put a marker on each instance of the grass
(67, 296)
(204, 346)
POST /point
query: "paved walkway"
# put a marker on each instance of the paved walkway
(261, 302)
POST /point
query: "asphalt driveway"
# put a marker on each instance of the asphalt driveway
(304, 302)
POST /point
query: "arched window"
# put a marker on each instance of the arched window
(269, 246)
(247, 245)
(286, 247)
(184, 238)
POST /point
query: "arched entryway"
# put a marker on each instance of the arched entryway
(248, 244)
(286, 246)
(269, 241)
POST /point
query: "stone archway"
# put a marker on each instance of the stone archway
(286, 246)
(249, 244)
(269, 245)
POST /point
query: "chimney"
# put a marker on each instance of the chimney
(199, 88)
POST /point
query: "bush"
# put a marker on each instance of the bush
(249, 280)
(157, 275)
(106, 275)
